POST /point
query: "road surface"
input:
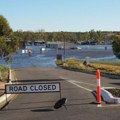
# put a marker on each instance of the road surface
(75, 86)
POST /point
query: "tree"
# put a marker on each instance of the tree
(84, 36)
(116, 46)
(5, 29)
(8, 41)
(99, 37)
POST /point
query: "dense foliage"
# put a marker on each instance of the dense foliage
(76, 37)
(5, 29)
(116, 46)
(8, 41)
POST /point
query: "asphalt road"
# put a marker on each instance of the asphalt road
(75, 86)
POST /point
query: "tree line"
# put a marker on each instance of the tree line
(9, 39)
(100, 37)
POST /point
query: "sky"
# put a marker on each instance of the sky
(62, 15)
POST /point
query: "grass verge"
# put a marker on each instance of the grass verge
(112, 68)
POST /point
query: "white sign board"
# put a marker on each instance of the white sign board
(32, 88)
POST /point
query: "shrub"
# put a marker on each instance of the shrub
(59, 62)
(3, 73)
(116, 46)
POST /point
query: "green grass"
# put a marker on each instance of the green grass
(3, 68)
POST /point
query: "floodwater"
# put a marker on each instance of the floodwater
(47, 58)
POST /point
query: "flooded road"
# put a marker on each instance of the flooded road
(47, 58)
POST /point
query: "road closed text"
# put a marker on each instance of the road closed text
(32, 88)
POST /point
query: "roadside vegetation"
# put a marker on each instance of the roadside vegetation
(116, 46)
(3, 73)
(112, 68)
(9, 44)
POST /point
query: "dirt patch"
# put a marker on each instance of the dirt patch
(115, 92)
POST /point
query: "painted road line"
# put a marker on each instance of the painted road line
(84, 83)
(99, 105)
(109, 105)
(78, 81)
(75, 83)
(79, 86)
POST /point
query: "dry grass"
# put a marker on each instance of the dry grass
(3, 73)
(103, 67)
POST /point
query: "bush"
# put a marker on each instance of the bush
(59, 62)
(116, 46)
(3, 73)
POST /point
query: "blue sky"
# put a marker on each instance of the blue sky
(62, 15)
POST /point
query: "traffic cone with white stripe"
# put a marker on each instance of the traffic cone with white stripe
(98, 87)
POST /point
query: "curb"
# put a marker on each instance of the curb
(6, 98)
(108, 97)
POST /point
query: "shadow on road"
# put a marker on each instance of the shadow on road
(45, 108)
(116, 84)
(38, 102)
(42, 110)
(38, 80)
(25, 108)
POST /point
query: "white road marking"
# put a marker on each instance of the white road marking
(109, 105)
(99, 105)
(75, 83)
(79, 85)
(84, 83)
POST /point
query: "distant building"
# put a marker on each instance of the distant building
(23, 44)
(61, 45)
(54, 45)
(88, 43)
(39, 42)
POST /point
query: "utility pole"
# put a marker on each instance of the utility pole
(64, 43)
(64, 49)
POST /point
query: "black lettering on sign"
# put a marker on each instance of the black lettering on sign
(53, 87)
(24, 88)
(10, 88)
(40, 87)
(45, 87)
(36, 89)
(32, 88)
(49, 87)
(20, 88)
(15, 88)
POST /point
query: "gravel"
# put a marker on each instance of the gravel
(115, 92)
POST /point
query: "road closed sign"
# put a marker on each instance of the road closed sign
(32, 88)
